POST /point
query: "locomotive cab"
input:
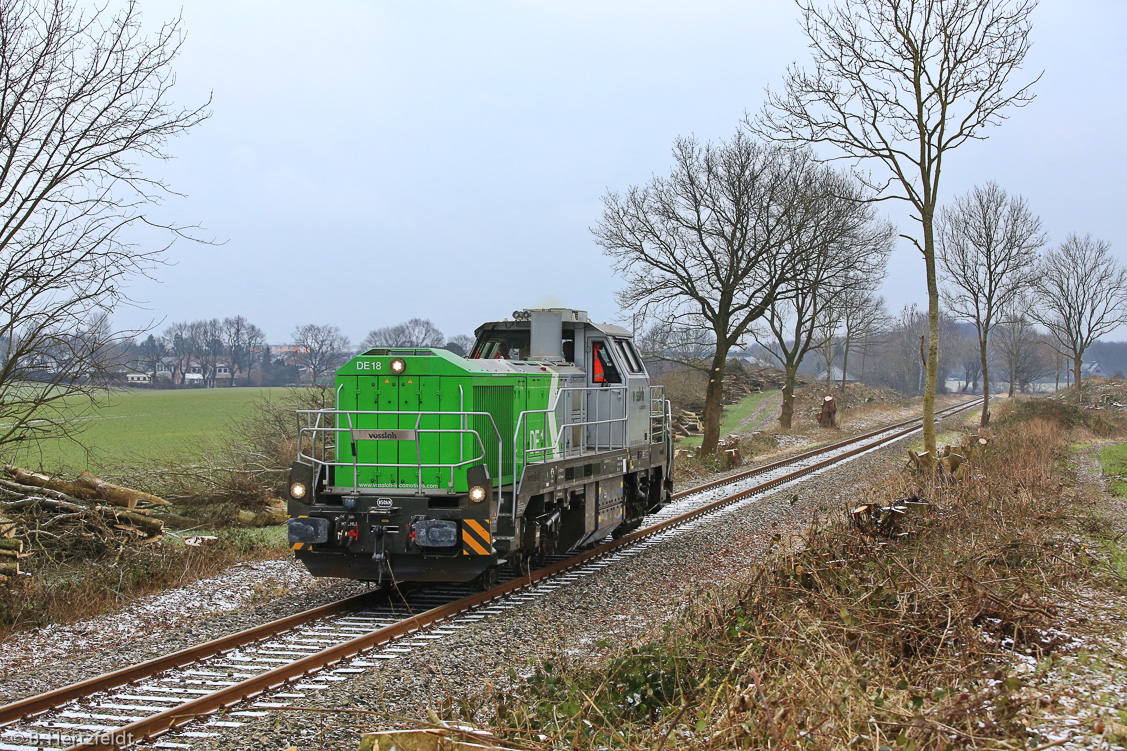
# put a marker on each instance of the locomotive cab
(435, 467)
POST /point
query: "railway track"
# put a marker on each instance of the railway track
(265, 667)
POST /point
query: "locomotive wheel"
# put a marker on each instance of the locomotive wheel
(519, 563)
(487, 579)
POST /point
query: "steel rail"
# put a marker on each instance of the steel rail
(52, 699)
(729, 479)
(251, 687)
(161, 722)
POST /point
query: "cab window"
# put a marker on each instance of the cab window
(628, 355)
(495, 345)
(603, 370)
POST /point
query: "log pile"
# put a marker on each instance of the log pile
(686, 423)
(87, 487)
(737, 385)
(62, 519)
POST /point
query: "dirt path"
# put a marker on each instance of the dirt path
(765, 413)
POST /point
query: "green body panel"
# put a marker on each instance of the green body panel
(433, 383)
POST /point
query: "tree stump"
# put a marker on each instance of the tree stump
(827, 418)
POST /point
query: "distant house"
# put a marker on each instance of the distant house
(138, 379)
(289, 354)
(1090, 369)
(195, 371)
(130, 376)
(751, 361)
(166, 366)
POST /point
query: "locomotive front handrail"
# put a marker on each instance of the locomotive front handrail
(313, 428)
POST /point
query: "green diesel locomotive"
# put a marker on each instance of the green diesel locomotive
(435, 467)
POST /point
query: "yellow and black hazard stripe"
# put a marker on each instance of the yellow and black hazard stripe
(299, 545)
(476, 539)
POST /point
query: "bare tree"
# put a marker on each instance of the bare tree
(1019, 351)
(970, 360)
(150, 352)
(1081, 294)
(988, 243)
(903, 83)
(207, 337)
(708, 245)
(181, 343)
(837, 247)
(863, 319)
(901, 354)
(417, 332)
(85, 98)
(460, 344)
(242, 340)
(321, 349)
(687, 341)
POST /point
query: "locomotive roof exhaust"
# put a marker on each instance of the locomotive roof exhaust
(547, 335)
(547, 331)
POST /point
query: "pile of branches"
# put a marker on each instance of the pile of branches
(61, 520)
(738, 384)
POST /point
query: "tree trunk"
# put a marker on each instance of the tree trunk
(786, 416)
(844, 364)
(714, 401)
(933, 332)
(1077, 363)
(985, 419)
(116, 494)
(827, 418)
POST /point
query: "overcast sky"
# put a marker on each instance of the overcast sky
(369, 162)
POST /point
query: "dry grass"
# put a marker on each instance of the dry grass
(80, 572)
(67, 591)
(848, 641)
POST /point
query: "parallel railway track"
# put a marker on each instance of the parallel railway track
(312, 649)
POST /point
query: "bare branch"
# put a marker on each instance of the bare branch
(84, 98)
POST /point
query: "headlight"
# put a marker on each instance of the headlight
(477, 494)
(297, 490)
(398, 365)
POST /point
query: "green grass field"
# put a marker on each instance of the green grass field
(137, 425)
(731, 417)
(1113, 459)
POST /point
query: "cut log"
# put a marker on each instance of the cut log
(7, 528)
(148, 524)
(116, 494)
(32, 490)
(36, 500)
(9, 568)
(13, 545)
(87, 486)
(37, 480)
(268, 517)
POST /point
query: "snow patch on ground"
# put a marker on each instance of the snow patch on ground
(236, 588)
